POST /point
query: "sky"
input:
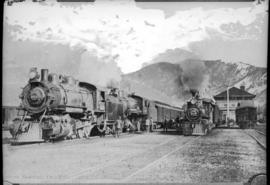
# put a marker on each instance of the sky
(131, 34)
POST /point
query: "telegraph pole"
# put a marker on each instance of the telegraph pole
(227, 116)
(228, 102)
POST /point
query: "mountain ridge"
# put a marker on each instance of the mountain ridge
(210, 77)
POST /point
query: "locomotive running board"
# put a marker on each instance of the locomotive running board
(15, 142)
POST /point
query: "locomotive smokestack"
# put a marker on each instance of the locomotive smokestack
(194, 92)
(44, 75)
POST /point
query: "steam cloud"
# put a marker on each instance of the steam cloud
(85, 65)
(192, 76)
(95, 70)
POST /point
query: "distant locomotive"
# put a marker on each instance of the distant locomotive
(246, 115)
(58, 107)
(201, 114)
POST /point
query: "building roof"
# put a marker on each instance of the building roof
(235, 92)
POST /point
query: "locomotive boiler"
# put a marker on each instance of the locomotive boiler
(58, 107)
(199, 115)
(54, 106)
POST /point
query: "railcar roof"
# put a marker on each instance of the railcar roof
(156, 101)
(245, 106)
(95, 86)
(167, 105)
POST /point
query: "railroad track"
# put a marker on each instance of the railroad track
(129, 177)
(90, 170)
(263, 146)
(260, 132)
(72, 177)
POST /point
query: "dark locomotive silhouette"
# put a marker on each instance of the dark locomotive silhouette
(60, 107)
(201, 115)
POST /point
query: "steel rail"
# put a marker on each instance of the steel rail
(158, 160)
(260, 132)
(257, 140)
(91, 169)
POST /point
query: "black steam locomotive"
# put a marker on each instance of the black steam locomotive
(58, 107)
(201, 114)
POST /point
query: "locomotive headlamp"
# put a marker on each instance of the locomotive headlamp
(193, 101)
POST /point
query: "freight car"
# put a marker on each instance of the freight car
(158, 111)
(168, 112)
(246, 115)
(199, 115)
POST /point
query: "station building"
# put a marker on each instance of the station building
(236, 97)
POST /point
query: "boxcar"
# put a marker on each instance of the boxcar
(246, 116)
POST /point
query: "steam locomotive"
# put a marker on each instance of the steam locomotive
(201, 114)
(58, 107)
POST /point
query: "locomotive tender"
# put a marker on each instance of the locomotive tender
(201, 115)
(58, 107)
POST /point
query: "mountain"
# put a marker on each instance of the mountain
(174, 56)
(173, 80)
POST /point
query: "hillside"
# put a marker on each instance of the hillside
(209, 77)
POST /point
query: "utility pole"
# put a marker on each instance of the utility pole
(228, 102)
(228, 111)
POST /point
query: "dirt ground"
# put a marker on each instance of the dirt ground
(222, 156)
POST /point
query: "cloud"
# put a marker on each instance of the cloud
(105, 34)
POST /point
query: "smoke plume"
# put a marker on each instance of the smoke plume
(100, 72)
(85, 65)
(192, 76)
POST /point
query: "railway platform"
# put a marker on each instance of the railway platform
(223, 156)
